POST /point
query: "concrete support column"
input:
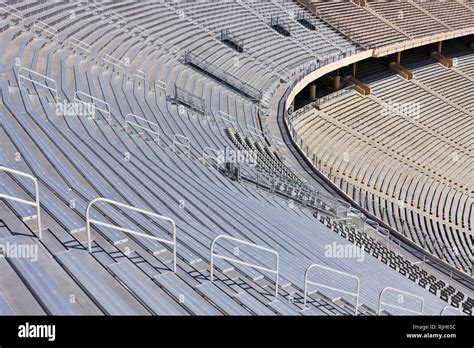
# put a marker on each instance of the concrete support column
(312, 91)
(354, 69)
(398, 57)
(337, 83)
(440, 46)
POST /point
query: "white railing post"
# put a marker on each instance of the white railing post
(35, 204)
(332, 270)
(90, 221)
(275, 271)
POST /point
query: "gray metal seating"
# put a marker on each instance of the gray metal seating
(77, 159)
(109, 295)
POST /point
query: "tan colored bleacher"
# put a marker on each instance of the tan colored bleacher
(453, 13)
(412, 168)
(408, 18)
(359, 24)
(380, 23)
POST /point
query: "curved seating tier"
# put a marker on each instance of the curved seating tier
(405, 154)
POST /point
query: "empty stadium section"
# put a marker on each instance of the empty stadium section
(286, 157)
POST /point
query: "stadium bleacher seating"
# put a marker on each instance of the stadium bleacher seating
(374, 134)
(128, 58)
(377, 23)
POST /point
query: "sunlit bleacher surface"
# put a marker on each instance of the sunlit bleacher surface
(120, 111)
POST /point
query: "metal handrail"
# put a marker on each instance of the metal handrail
(255, 131)
(190, 100)
(448, 307)
(36, 203)
(140, 75)
(159, 87)
(80, 45)
(206, 155)
(142, 30)
(276, 271)
(400, 307)
(178, 140)
(232, 80)
(127, 122)
(107, 110)
(21, 76)
(42, 26)
(228, 118)
(107, 58)
(11, 10)
(315, 265)
(90, 221)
